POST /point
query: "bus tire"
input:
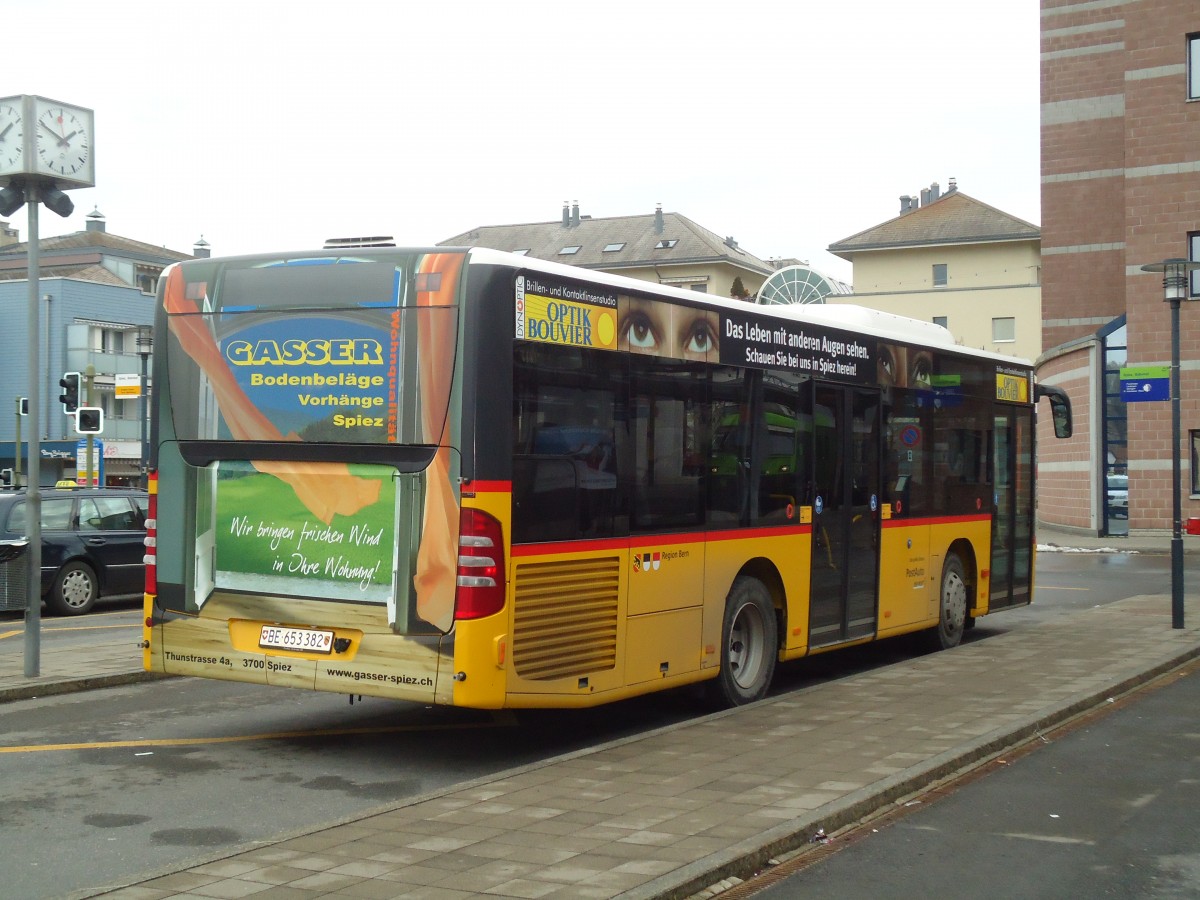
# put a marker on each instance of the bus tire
(749, 645)
(952, 618)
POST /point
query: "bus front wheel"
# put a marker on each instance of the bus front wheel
(749, 644)
(953, 617)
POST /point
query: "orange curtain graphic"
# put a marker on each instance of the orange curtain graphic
(437, 557)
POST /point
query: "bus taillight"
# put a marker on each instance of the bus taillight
(480, 566)
(151, 539)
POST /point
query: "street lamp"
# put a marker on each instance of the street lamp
(145, 344)
(1175, 289)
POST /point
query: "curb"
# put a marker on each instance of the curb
(75, 685)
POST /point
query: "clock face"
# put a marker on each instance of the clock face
(12, 137)
(64, 142)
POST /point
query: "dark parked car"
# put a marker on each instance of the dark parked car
(92, 543)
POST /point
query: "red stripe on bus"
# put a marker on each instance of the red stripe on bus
(487, 487)
(656, 540)
(937, 520)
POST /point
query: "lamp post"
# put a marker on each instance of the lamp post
(1175, 290)
(145, 344)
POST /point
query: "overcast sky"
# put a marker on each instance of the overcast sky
(269, 126)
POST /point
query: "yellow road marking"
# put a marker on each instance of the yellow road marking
(233, 739)
(57, 628)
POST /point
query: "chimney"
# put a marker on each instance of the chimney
(201, 249)
(8, 235)
(575, 213)
(566, 215)
(730, 242)
(953, 186)
(658, 219)
(935, 191)
(906, 204)
(924, 196)
(95, 220)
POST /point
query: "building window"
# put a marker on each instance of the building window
(699, 288)
(944, 321)
(666, 244)
(1194, 443)
(1004, 330)
(939, 274)
(1194, 256)
(569, 251)
(1193, 66)
(613, 248)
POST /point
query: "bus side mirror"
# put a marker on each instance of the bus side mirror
(1060, 408)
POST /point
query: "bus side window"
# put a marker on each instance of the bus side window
(907, 431)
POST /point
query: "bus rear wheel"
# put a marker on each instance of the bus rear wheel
(953, 617)
(749, 644)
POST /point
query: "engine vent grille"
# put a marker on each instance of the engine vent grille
(565, 618)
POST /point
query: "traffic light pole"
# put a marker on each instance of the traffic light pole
(89, 377)
(17, 450)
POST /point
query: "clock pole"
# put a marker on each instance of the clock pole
(46, 147)
(33, 497)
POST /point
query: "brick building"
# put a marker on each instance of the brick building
(1120, 189)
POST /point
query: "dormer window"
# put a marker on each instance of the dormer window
(666, 244)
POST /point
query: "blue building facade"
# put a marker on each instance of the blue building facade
(96, 295)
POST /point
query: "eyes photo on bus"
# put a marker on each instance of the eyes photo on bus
(901, 366)
(659, 329)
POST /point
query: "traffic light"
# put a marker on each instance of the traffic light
(89, 420)
(23, 407)
(69, 398)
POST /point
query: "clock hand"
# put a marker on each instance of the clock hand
(7, 129)
(62, 141)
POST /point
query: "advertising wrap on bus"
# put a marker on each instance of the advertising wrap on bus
(569, 314)
(276, 357)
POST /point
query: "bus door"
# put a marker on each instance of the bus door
(846, 482)
(1012, 516)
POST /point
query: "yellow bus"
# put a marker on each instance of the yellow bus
(464, 477)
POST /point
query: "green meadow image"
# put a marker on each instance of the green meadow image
(269, 541)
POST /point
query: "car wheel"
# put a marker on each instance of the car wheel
(74, 591)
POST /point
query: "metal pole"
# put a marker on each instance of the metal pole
(142, 417)
(1176, 500)
(89, 376)
(17, 450)
(33, 497)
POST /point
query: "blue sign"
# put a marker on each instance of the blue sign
(1142, 389)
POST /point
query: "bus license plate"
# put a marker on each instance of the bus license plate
(278, 637)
